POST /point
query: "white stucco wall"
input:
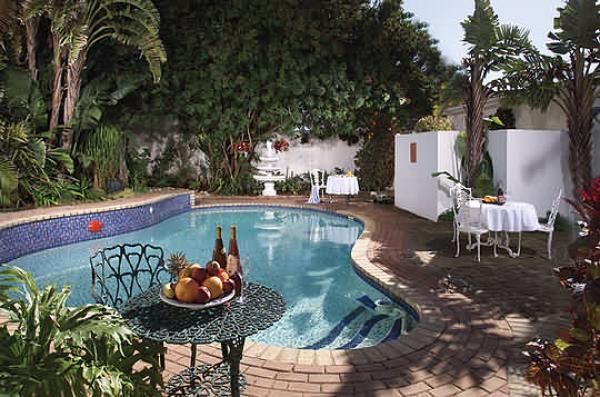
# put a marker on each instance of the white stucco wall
(323, 154)
(415, 190)
(531, 165)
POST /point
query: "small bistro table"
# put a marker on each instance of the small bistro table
(511, 217)
(150, 318)
(342, 185)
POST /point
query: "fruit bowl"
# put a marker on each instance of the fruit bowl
(198, 306)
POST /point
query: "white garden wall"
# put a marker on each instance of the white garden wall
(531, 165)
(415, 189)
(323, 154)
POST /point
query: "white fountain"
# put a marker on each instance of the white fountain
(267, 170)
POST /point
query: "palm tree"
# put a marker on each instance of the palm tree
(491, 45)
(11, 17)
(77, 26)
(570, 78)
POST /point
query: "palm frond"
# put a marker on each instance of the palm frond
(481, 28)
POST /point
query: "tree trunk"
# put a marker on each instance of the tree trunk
(579, 103)
(31, 31)
(475, 102)
(57, 68)
(73, 87)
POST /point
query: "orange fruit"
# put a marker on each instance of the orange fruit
(186, 290)
(215, 286)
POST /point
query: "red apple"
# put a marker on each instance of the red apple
(222, 274)
(228, 286)
(199, 274)
(213, 268)
(203, 295)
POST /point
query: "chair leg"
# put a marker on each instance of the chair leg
(470, 242)
(457, 243)
(478, 248)
(550, 245)
(161, 357)
(519, 246)
(495, 244)
(453, 231)
(193, 356)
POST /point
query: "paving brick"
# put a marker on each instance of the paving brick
(414, 389)
(320, 378)
(304, 387)
(445, 391)
(309, 369)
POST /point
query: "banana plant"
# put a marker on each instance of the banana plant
(51, 349)
(491, 46)
(570, 78)
(77, 26)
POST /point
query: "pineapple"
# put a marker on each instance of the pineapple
(177, 263)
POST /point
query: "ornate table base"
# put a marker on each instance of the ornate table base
(497, 241)
(206, 380)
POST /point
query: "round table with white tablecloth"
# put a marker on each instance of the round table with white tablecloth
(342, 184)
(513, 216)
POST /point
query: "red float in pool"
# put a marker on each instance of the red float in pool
(95, 226)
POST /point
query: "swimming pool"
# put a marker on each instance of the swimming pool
(303, 254)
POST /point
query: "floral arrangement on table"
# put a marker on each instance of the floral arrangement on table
(281, 145)
(570, 365)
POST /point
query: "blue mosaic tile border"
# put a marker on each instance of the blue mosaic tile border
(23, 239)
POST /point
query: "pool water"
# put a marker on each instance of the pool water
(305, 255)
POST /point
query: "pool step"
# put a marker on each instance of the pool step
(362, 327)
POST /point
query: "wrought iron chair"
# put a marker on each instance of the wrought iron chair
(317, 178)
(468, 219)
(122, 271)
(549, 226)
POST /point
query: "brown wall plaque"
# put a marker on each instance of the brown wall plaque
(413, 152)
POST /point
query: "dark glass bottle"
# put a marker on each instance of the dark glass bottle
(218, 253)
(234, 267)
(501, 198)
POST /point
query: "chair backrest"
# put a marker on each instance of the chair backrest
(554, 209)
(467, 210)
(122, 271)
(459, 195)
(317, 177)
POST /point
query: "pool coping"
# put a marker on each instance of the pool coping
(457, 348)
(380, 280)
(120, 204)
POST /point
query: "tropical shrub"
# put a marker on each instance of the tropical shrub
(570, 365)
(50, 349)
(375, 159)
(506, 116)
(30, 171)
(433, 123)
(297, 184)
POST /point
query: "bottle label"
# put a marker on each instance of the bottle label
(233, 265)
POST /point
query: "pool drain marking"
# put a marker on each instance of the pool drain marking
(363, 332)
(337, 330)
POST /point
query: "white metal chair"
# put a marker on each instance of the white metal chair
(549, 226)
(317, 179)
(453, 191)
(468, 215)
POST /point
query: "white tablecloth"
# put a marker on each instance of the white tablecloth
(346, 185)
(513, 216)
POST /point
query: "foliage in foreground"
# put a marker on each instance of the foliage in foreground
(570, 365)
(50, 349)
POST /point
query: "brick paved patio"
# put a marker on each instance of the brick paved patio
(467, 344)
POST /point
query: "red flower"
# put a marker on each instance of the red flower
(281, 145)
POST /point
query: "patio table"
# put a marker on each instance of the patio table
(511, 217)
(150, 318)
(342, 184)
